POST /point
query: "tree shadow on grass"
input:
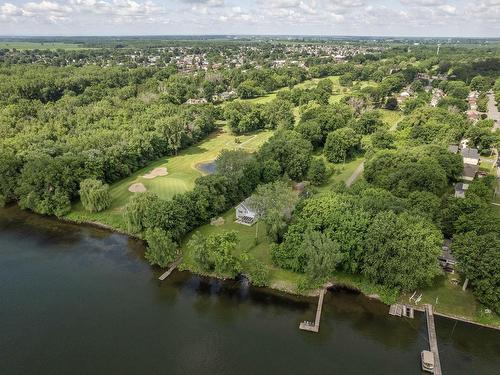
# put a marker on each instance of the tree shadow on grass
(194, 150)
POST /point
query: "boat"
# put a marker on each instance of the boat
(427, 361)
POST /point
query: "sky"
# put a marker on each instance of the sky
(428, 18)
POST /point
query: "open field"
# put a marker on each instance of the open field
(182, 172)
(336, 96)
(33, 45)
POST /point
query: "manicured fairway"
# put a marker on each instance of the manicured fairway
(182, 172)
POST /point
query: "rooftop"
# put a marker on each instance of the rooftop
(471, 153)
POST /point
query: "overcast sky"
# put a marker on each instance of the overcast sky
(318, 17)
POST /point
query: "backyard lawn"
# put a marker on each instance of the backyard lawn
(448, 298)
(280, 279)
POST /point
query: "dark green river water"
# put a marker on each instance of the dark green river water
(78, 300)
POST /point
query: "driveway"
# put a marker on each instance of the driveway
(493, 112)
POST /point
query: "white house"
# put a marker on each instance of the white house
(245, 214)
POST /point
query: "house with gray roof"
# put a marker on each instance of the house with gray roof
(469, 172)
(470, 155)
(460, 189)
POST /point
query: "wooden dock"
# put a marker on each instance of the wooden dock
(431, 328)
(396, 310)
(402, 310)
(172, 267)
(310, 326)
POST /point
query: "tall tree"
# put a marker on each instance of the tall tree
(94, 195)
(478, 259)
(161, 249)
(401, 251)
(341, 144)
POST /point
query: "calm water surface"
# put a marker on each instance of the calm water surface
(77, 300)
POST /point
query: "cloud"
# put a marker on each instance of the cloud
(209, 3)
(364, 17)
(117, 11)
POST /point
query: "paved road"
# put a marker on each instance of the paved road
(493, 112)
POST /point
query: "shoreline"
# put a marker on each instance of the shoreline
(276, 286)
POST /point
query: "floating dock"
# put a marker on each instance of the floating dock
(172, 267)
(310, 326)
(402, 310)
(431, 328)
(396, 310)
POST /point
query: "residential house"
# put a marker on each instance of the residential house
(473, 115)
(223, 96)
(403, 96)
(437, 95)
(245, 213)
(470, 156)
(469, 172)
(460, 189)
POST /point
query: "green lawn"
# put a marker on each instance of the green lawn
(309, 84)
(496, 207)
(448, 298)
(182, 172)
(341, 172)
(32, 45)
(392, 118)
(280, 279)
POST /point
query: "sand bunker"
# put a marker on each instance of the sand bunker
(137, 188)
(157, 172)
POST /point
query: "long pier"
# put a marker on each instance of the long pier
(314, 327)
(431, 329)
(172, 267)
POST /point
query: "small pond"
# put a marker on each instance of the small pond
(208, 167)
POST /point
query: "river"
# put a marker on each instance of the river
(80, 300)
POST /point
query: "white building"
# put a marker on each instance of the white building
(245, 214)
